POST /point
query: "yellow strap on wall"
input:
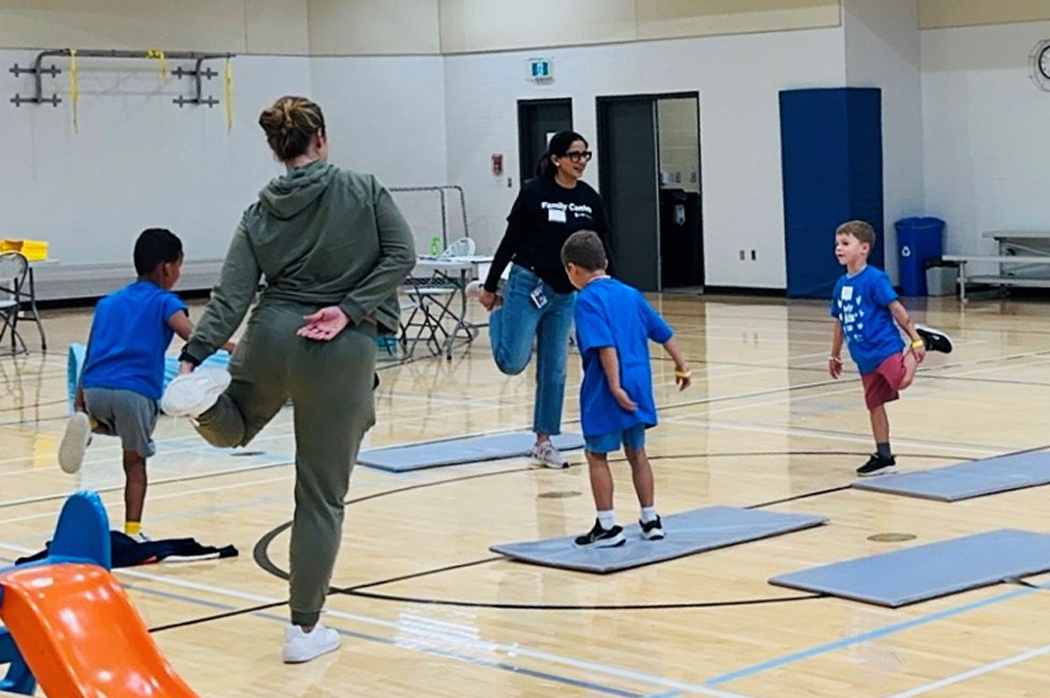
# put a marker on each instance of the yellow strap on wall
(227, 89)
(74, 89)
(158, 55)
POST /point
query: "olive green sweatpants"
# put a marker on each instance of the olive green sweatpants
(330, 385)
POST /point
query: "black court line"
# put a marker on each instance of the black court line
(584, 607)
(261, 555)
(218, 616)
(261, 550)
(757, 454)
(1002, 381)
(157, 483)
(35, 405)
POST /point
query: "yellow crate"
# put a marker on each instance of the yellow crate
(34, 250)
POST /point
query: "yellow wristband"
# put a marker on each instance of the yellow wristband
(683, 374)
(916, 343)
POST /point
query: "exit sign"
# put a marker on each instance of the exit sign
(540, 70)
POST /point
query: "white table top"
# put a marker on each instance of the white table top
(1016, 234)
(451, 263)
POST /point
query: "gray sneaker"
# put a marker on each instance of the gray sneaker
(192, 394)
(547, 455)
(75, 441)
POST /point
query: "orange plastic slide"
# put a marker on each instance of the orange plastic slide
(82, 637)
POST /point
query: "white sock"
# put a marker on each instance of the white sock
(607, 519)
(649, 514)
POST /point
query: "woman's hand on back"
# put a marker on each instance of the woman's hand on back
(490, 300)
(325, 324)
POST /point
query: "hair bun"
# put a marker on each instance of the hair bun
(289, 124)
(271, 120)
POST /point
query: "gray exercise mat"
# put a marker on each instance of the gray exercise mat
(688, 533)
(965, 480)
(928, 571)
(467, 449)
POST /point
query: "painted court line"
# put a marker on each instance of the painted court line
(414, 646)
(452, 638)
(761, 667)
(985, 669)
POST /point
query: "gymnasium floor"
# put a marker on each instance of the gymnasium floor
(426, 610)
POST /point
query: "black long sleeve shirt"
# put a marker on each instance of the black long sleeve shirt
(543, 217)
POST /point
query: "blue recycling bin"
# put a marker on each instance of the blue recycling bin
(918, 240)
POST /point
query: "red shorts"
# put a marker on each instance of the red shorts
(883, 384)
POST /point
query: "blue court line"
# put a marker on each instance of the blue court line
(861, 638)
(666, 694)
(503, 666)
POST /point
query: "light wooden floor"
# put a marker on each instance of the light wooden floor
(431, 612)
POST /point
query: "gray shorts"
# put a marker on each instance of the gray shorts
(127, 414)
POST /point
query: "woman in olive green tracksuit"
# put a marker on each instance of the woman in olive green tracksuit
(333, 247)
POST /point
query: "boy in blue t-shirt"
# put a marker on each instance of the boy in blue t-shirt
(122, 379)
(867, 314)
(614, 323)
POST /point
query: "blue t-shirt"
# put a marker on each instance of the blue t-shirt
(612, 314)
(129, 336)
(861, 305)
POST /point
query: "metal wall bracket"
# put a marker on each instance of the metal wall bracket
(197, 73)
(195, 101)
(52, 70)
(19, 100)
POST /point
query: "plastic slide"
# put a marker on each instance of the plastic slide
(80, 635)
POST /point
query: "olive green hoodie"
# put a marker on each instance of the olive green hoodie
(321, 236)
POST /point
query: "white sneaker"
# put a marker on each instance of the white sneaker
(141, 537)
(473, 289)
(193, 394)
(74, 442)
(547, 455)
(302, 647)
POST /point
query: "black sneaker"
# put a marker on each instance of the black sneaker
(602, 538)
(654, 530)
(935, 340)
(877, 465)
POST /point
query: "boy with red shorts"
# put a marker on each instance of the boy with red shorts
(868, 315)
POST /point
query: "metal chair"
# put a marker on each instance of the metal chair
(464, 247)
(14, 270)
(430, 302)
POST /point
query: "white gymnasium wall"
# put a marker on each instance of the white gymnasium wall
(738, 78)
(986, 144)
(373, 27)
(255, 26)
(934, 14)
(386, 116)
(883, 49)
(138, 161)
(470, 26)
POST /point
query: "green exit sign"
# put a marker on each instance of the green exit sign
(540, 70)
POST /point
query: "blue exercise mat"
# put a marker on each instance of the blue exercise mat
(78, 352)
(966, 480)
(925, 572)
(688, 533)
(460, 450)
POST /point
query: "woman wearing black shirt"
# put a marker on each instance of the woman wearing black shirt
(536, 305)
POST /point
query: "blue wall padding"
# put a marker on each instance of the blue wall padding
(831, 156)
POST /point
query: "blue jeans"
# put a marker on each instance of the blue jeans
(514, 326)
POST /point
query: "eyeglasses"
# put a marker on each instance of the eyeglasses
(578, 155)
